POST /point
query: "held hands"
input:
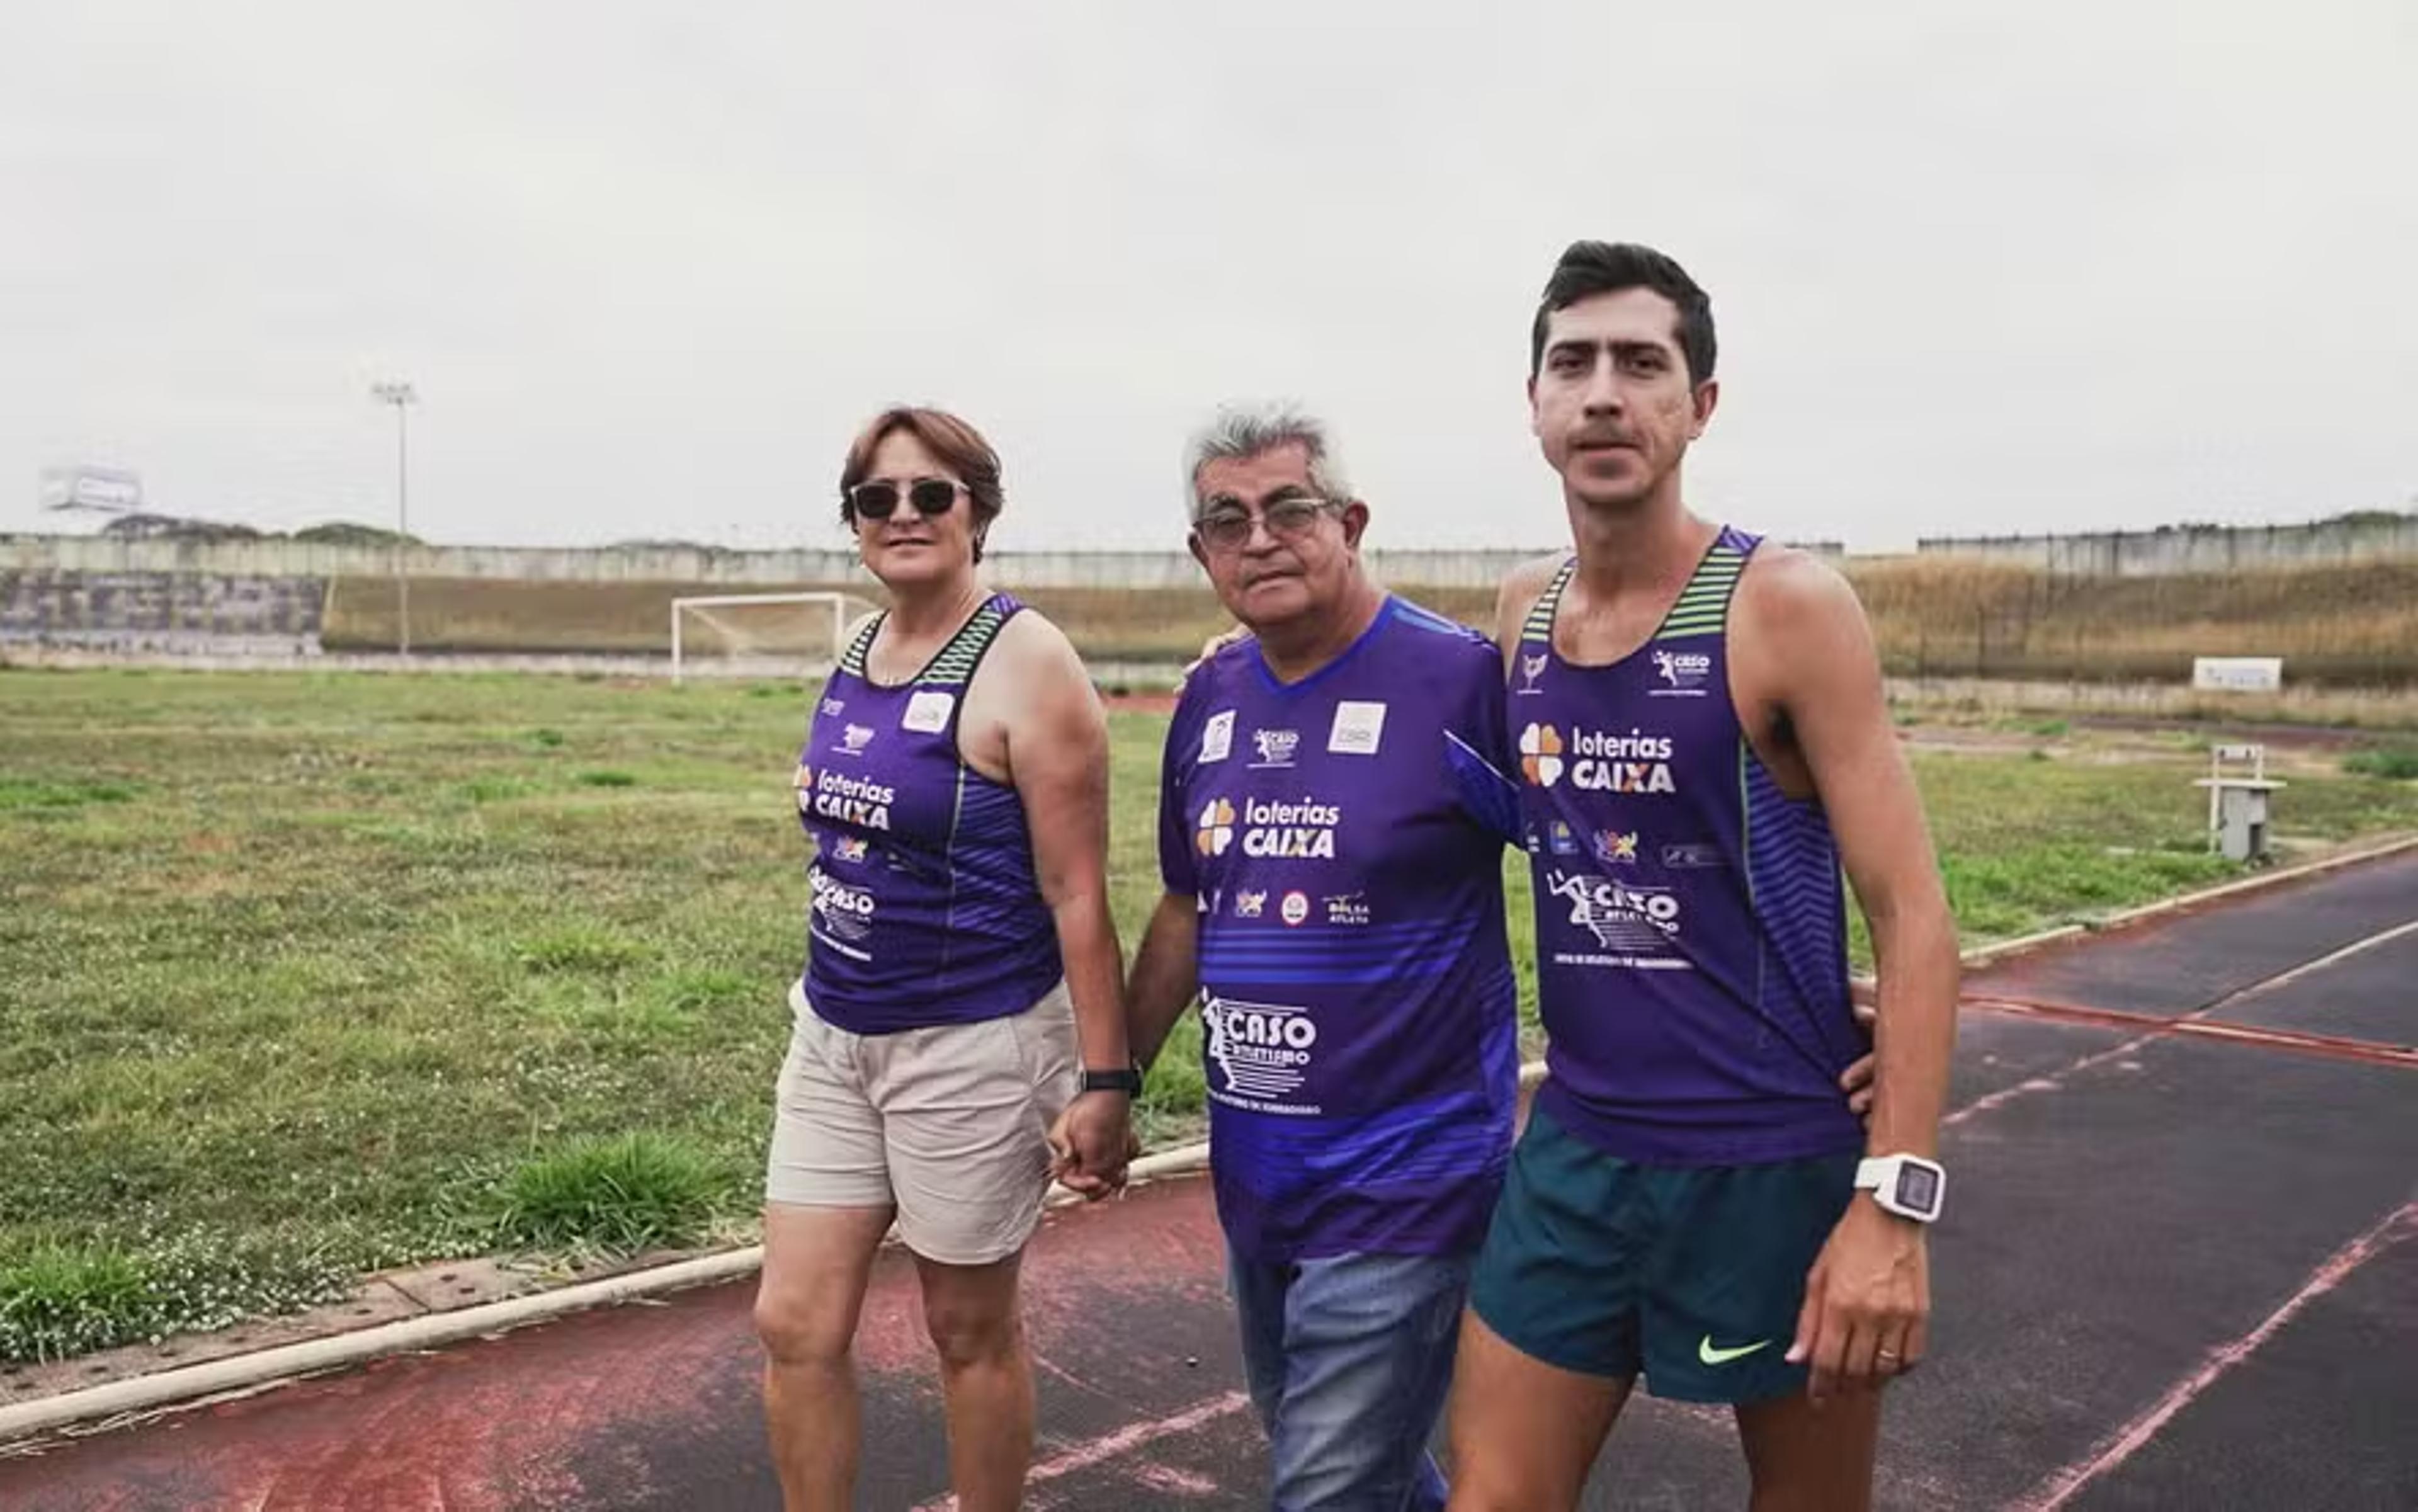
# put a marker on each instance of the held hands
(1092, 1143)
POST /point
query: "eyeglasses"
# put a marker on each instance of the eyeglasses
(877, 499)
(1228, 527)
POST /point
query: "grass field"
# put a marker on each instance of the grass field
(304, 974)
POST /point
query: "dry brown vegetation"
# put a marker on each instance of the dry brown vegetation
(489, 615)
(479, 614)
(2338, 626)
(2342, 626)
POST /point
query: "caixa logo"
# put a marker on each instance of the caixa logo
(1540, 755)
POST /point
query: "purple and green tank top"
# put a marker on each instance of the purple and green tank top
(1691, 953)
(925, 908)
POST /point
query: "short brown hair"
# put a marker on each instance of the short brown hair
(960, 447)
(1591, 267)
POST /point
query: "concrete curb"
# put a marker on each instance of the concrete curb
(239, 1374)
(2001, 950)
(2184, 903)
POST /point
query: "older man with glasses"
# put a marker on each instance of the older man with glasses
(1331, 816)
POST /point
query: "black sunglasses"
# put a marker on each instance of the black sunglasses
(878, 500)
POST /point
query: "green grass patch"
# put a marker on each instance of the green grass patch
(26, 792)
(696, 991)
(59, 1300)
(579, 947)
(608, 779)
(618, 1194)
(2393, 763)
(2039, 887)
(496, 790)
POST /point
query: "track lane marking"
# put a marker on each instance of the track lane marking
(2112, 1451)
(2188, 1023)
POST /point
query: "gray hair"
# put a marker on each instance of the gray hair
(1241, 432)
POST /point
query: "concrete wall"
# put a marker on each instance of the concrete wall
(2193, 548)
(737, 569)
(296, 558)
(182, 612)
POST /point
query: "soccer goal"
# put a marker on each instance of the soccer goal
(762, 634)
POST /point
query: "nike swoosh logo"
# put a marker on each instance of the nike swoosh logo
(1710, 1355)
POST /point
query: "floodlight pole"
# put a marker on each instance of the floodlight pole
(402, 396)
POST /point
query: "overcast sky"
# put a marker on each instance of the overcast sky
(2060, 266)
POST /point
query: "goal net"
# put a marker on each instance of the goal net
(762, 634)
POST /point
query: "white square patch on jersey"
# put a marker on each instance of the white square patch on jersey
(1218, 736)
(1357, 728)
(928, 711)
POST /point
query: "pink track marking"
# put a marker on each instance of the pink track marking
(1124, 1441)
(2061, 1488)
(2051, 1081)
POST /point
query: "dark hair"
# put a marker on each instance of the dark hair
(1591, 267)
(959, 445)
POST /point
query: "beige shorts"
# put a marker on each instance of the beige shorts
(951, 1124)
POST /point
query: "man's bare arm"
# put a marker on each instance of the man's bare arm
(1840, 721)
(1867, 1305)
(1166, 975)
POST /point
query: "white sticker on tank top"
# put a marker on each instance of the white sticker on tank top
(928, 711)
(1218, 736)
(1357, 728)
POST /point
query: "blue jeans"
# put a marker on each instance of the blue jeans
(1348, 1358)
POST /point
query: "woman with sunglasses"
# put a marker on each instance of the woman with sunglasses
(962, 987)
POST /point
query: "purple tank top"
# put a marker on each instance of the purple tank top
(924, 905)
(1691, 926)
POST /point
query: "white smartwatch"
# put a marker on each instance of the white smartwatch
(1907, 1185)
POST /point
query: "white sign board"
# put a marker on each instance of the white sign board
(110, 490)
(2237, 674)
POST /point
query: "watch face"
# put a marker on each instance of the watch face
(1918, 1188)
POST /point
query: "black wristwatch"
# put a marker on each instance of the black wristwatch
(1126, 1079)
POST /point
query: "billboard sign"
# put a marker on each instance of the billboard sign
(2237, 674)
(107, 490)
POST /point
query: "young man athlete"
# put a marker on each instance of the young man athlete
(1702, 742)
